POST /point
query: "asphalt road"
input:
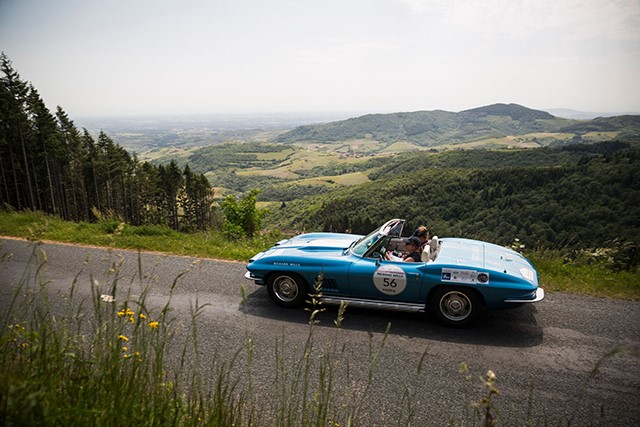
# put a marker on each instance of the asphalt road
(568, 359)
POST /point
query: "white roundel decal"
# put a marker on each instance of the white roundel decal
(390, 279)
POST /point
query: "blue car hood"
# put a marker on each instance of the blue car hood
(327, 244)
(319, 241)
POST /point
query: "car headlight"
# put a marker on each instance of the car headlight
(528, 274)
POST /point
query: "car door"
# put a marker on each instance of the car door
(335, 278)
(377, 279)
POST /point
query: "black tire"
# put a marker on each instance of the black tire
(455, 306)
(287, 289)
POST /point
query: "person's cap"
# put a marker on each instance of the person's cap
(413, 240)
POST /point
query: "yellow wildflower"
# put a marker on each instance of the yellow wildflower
(142, 316)
(121, 313)
(125, 348)
(153, 325)
(129, 312)
(132, 319)
(123, 338)
(126, 356)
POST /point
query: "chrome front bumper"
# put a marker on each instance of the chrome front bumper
(539, 297)
(248, 276)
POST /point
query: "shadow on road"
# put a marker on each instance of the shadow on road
(502, 328)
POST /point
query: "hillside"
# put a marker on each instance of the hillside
(627, 125)
(437, 128)
(432, 128)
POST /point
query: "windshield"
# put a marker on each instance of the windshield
(361, 247)
(390, 228)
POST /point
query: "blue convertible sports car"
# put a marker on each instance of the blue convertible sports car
(454, 280)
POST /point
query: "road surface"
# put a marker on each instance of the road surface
(568, 359)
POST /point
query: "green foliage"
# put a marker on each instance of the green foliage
(149, 231)
(576, 272)
(340, 168)
(237, 156)
(288, 192)
(629, 125)
(240, 183)
(109, 226)
(242, 216)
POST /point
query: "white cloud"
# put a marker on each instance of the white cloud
(573, 19)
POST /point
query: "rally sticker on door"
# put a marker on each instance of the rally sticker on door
(390, 279)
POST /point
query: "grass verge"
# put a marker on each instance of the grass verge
(111, 233)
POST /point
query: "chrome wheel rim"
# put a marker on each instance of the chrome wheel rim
(455, 306)
(285, 288)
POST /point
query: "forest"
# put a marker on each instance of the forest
(48, 164)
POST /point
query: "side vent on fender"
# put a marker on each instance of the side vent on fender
(329, 284)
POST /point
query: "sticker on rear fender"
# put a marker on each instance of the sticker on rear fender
(464, 276)
(390, 279)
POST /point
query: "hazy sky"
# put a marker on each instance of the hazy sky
(261, 56)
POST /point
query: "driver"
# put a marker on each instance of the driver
(412, 246)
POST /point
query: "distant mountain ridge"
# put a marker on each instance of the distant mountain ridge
(433, 128)
(568, 113)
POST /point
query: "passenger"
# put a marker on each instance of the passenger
(412, 246)
(422, 233)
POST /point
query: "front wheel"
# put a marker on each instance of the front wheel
(455, 306)
(287, 289)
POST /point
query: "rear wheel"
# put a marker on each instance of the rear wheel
(455, 306)
(287, 289)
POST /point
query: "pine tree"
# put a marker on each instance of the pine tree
(49, 149)
(73, 184)
(90, 173)
(16, 132)
(172, 181)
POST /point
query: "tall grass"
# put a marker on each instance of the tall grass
(97, 360)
